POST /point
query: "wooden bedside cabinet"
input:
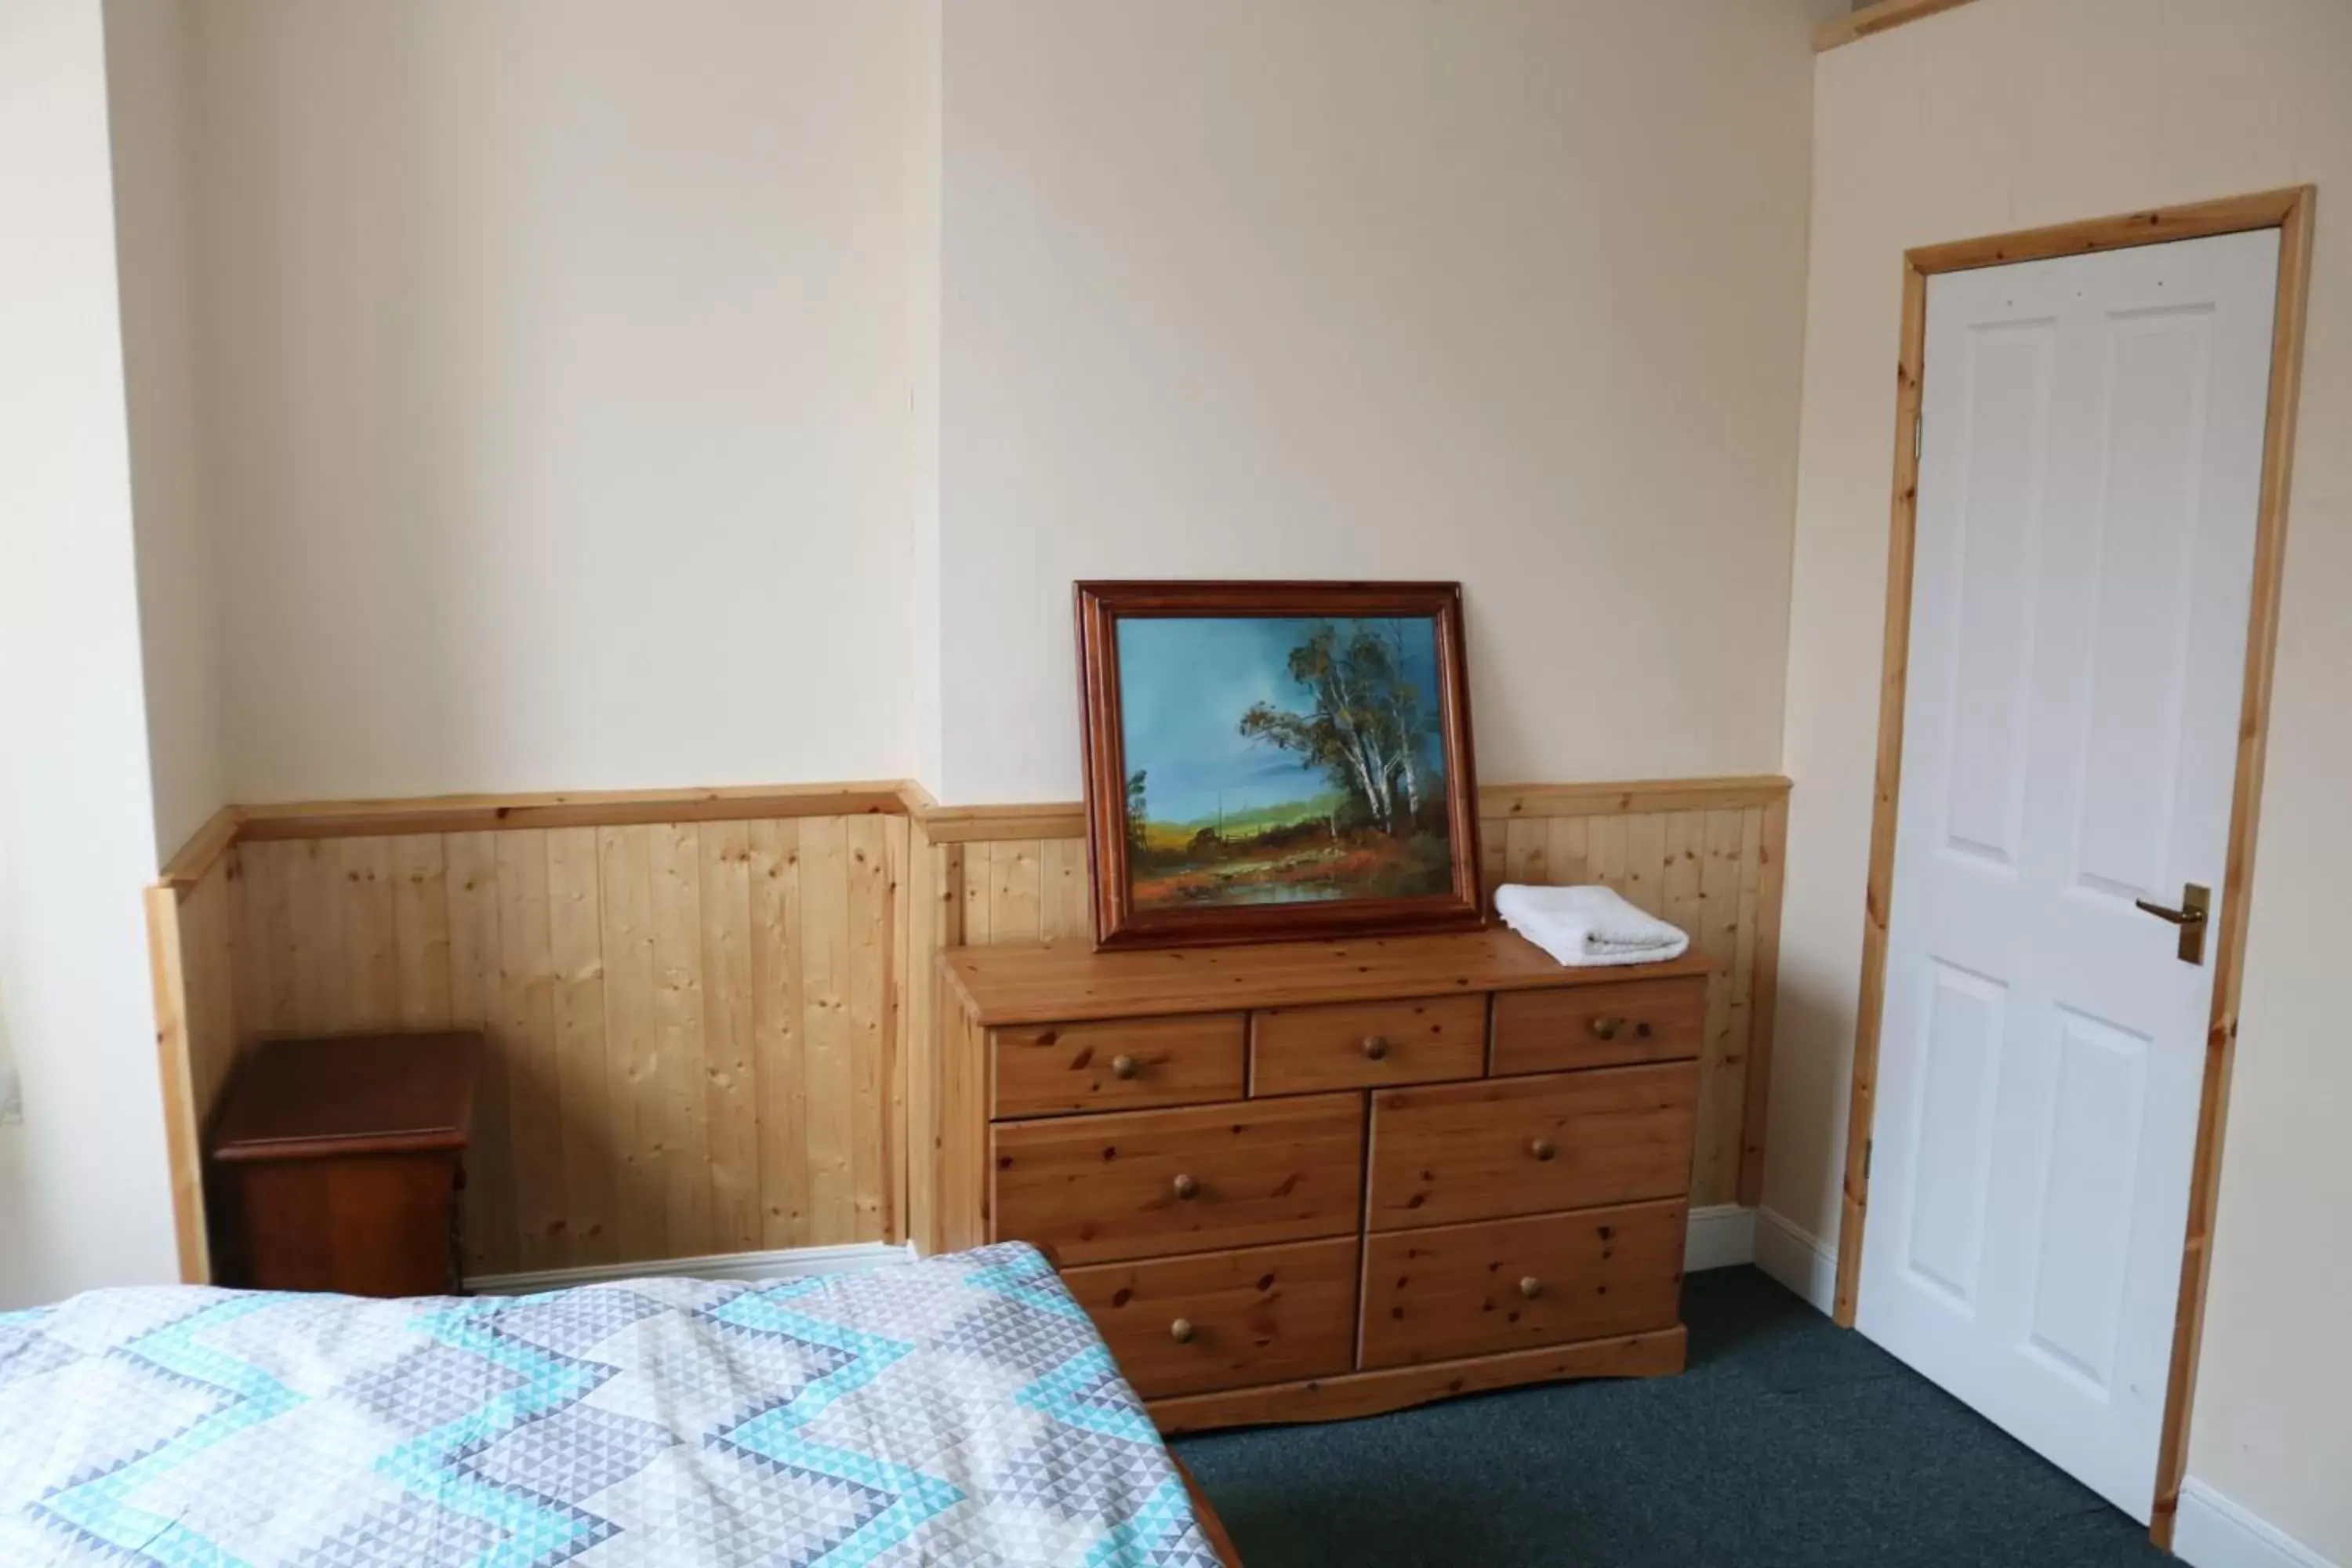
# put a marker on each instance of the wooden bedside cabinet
(339, 1165)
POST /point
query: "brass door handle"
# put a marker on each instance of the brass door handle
(2190, 917)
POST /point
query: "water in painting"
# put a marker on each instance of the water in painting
(1282, 759)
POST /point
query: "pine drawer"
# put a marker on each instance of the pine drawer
(1502, 1147)
(1369, 1045)
(1600, 1025)
(1044, 1069)
(1148, 1183)
(1219, 1319)
(1514, 1284)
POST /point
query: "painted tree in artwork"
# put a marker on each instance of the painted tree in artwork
(1366, 726)
(1135, 816)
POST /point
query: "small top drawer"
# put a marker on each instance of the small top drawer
(1296, 1050)
(1612, 1024)
(1501, 1147)
(1044, 1069)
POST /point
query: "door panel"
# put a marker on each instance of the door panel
(2088, 479)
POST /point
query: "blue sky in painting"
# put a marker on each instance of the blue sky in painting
(1184, 684)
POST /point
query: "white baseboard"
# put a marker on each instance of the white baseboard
(1797, 1259)
(1721, 1236)
(2211, 1531)
(790, 1263)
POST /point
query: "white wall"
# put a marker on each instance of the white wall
(152, 119)
(1502, 290)
(84, 1197)
(559, 365)
(2007, 114)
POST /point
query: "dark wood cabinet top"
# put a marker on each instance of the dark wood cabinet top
(374, 1094)
(1038, 985)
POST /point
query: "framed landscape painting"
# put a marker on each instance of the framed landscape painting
(1269, 761)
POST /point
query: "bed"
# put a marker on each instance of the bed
(958, 1411)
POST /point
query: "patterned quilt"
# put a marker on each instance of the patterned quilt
(957, 1411)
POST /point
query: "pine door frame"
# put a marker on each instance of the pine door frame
(2290, 212)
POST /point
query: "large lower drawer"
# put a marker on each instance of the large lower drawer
(1263, 1314)
(1147, 1183)
(1511, 1284)
(1513, 1146)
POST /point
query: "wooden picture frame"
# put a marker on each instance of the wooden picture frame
(1226, 911)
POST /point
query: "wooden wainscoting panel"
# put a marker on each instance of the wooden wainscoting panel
(695, 1025)
(192, 933)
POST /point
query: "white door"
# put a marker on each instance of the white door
(2089, 468)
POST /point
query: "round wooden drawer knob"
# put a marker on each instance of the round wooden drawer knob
(1124, 1066)
(1606, 1029)
(1543, 1148)
(1180, 1330)
(1186, 1187)
(1530, 1287)
(1376, 1046)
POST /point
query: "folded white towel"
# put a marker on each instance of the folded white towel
(1584, 926)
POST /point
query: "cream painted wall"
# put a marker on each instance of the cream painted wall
(559, 364)
(84, 1198)
(2007, 114)
(1504, 290)
(152, 119)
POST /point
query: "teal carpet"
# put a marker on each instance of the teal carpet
(1788, 1441)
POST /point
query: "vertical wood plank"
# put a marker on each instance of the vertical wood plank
(371, 980)
(469, 875)
(1605, 848)
(576, 909)
(1645, 860)
(977, 887)
(899, 920)
(1564, 851)
(1526, 845)
(866, 1018)
(314, 937)
(1062, 869)
(526, 1011)
(1748, 919)
(681, 1068)
(633, 1041)
(728, 1042)
(1494, 860)
(1763, 998)
(182, 1128)
(827, 1043)
(1723, 1065)
(420, 931)
(776, 1028)
(1014, 905)
(1682, 899)
(265, 982)
(920, 902)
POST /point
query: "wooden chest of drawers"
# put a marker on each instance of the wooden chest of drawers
(1309, 1181)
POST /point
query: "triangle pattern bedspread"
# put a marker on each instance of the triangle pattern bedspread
(960, 1410)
